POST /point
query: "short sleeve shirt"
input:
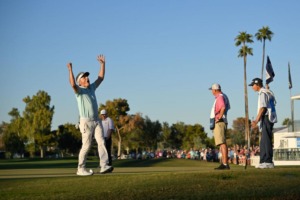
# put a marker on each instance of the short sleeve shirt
(262, 100)
(227, 103)
(107, 124)
(87, 102)
(220, 103)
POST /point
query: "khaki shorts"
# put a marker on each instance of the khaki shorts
(219, 133)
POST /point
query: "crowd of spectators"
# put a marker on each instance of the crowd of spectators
(236, 154)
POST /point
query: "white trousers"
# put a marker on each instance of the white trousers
(88, 129)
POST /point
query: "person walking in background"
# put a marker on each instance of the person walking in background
(108, 129)
(90, 124)
(266, 116)
(219, 124)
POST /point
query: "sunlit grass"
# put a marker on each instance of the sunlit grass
(146, 179)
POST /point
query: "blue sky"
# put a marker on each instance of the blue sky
(162, 56)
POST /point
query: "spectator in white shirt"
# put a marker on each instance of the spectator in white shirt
(108, 129)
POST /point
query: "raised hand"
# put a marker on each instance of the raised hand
(101, 59)
(69, 65)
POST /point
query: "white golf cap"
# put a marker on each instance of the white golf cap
(215, 86)
(103, 112)
(80, 75)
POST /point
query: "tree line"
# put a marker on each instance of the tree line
(30, 133)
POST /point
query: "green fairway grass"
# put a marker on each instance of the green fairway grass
(145, 179)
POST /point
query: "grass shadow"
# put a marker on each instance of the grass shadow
(39, 163)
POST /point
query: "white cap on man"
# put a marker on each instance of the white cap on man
(215, 86)
(103, 112)
(80, 75)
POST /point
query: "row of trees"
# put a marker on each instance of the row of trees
(135, 131)
(30, 133)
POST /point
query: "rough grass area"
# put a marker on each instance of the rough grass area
(145, 179)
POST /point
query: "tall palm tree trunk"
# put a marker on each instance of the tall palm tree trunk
(247, 131)
(263, 62)
(262, 75)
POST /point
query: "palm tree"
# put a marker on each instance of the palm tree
(262, 35)
(242, 39)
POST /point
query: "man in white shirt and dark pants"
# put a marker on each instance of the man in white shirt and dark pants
(266, 120)
(108, 129)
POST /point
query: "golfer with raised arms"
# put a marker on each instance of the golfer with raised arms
(89, 120)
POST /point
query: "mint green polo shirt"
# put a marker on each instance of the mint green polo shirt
(87, 102)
